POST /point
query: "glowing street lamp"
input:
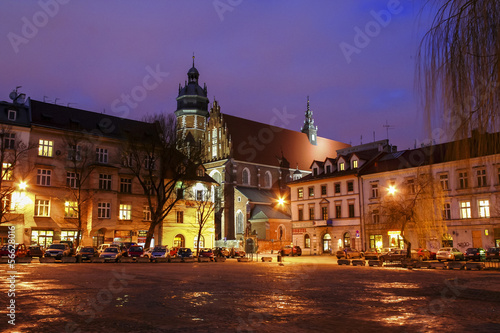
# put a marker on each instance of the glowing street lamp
(23, 185)
(281, 201)
(391, 189)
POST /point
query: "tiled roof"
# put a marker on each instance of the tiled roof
(265, 211)
(265, 144)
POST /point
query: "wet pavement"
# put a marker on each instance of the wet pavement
(305, 294)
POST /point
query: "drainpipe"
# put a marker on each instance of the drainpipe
(361, 212)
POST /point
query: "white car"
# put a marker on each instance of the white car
(58, 251)
(101, 247)
(449, 253)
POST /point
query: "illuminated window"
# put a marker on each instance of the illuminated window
(125, 212)
(465, 210)
(45, 147)
(43, 177)
(354, 164)
(7, 202)
(342, 166)
(71, 209)
(42, 207)
(300, 193)
(179, 241)
(104, 210)
(484, 208)
(307, 241)
(7, 171)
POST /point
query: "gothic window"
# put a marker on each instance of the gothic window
(240, 228)
(246, 177)
(267, 179)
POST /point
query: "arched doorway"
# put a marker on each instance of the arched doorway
(98, 239)
(347, 239)
(327, 242)
(179, 241)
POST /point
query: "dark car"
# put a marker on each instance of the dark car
(87, 253)
(289, 250)
(493, 253)
(207, 253)
(36, 251)
(135, 251)
(398, 255)
(372, 254)
(349, 253)
(475, 253)
(111, 254)
(221, 252)
(184, 252)
(19, 250)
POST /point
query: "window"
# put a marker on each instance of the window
(324, 213)
(125, 212)
(9, 140)
(301, 214)
(245, 177)
(43, 177)
(337, 188)
(484, 208)
(375, 217)
(101, 155)
(146, 213)
(7, 203)
(307, 241)
(328, 169)
(202, 242)
(354, 164)
(149, 163)
(465, 210)
(374, 190)
(300, 193)
(410, 183)
(311, 192)
(341, 166)
(7, 171)
(350, 186)
(45, 147)
(71, 209)
(376, 241)
(74, 153)
(179, 217)
(148, 187)
(104, 210)
(481, 177)
(447, 211)
(338, 210)
(323, 189)
(179, 241)
(443, 179)
(200, 195)
(69, 235)
(463, 182)
(351, 209)
(240, 228)
(125, 185)
(12, 115)
(267, 179)
(311, 213)
(42, 207)
(315, 171)
(72, 179)
(104, 182)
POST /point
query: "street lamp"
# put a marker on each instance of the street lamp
(23, 185)
(391, 189)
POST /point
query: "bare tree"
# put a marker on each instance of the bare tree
(81, 163)
(13, 158)
(205, 207)
(416, 210)
(459, 66)
(153, 158)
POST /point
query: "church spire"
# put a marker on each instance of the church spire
(309, 128)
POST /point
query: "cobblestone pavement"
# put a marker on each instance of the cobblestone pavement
(306, 294)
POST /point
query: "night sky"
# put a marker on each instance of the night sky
(354, 59)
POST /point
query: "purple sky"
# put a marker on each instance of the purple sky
(256, 57)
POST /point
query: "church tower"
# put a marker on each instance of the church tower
(309, 128)
(192, 109)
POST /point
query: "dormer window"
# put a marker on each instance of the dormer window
(315, 171)
(341, 166)
(354, 164)
(12, 115)
(328, 169)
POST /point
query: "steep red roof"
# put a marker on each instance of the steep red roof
(261, 143)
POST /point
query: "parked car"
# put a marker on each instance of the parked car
(71, 246)
(398, 255)
(19, 250)
(159, 251)
(184, 252)
(102, 247)
(449, 253)
(206, 253)
(289, 250)
(58, 250)
(372, 254)
(386, 250)
(493, 253)
(87, 253)
(235, 253)
(475, 253)
(111, 254)
(221, 252)
(173, 251)
(425, 254)
(349, 253)
(135, 251)
(36, 251)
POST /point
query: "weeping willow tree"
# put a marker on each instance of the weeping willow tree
(458, 68)
(416, 210)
